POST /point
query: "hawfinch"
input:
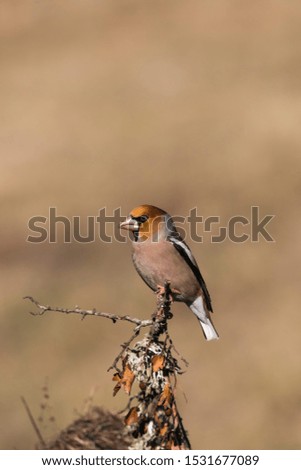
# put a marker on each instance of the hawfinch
(160, 254)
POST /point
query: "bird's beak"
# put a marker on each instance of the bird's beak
(130, 224)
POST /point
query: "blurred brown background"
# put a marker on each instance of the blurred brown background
(178, 104)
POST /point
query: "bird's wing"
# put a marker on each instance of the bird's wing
(185, 252)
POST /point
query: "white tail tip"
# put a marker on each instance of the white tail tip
(198, 309)
(209, 331)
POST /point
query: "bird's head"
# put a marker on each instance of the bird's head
(147, 223)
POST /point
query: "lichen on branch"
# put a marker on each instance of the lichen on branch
(147, 371)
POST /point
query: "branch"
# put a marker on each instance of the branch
(153, 418)
(95, 313)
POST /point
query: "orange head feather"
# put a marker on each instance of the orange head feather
(154, 221)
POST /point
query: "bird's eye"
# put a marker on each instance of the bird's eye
(143, 218)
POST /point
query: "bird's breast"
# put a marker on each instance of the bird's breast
(160, 262)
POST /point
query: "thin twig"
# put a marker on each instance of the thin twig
(47, 308)
(34, 424)
(124, 347)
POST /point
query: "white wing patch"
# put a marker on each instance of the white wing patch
(183, 245)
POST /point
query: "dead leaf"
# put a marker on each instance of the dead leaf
(124, 380)
(128, 378)
(132, 416)
(164, 429)
(116, 378)
(158, 362)
(166, 396)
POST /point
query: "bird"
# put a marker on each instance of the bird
(160, 254)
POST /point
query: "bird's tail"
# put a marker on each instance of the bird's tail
(204, 318)
(209, 330)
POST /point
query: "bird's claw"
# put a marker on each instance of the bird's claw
(170, 293)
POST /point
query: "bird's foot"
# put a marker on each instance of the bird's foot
(169, 293)
(160, 290)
